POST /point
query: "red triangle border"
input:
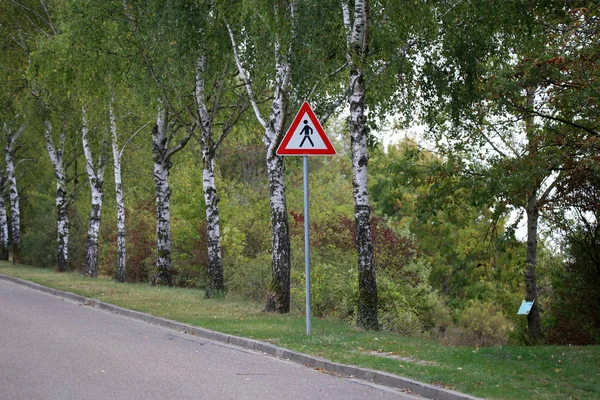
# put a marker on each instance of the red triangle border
(282, 150)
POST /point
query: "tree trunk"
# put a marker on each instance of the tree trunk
(367, 285)
(96, 178)
(3, 224)
(91, 255)
(278, 298)
(211, 199)
(215, 261)
(15, 207)
(279, 290)
(531, 294)
(62, 201)
(533, 214)
(279, 294)
(120, 269)
(160, 145)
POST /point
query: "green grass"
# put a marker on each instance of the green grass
(541, 372)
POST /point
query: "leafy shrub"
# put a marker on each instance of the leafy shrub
(38, 236)
(410, 310)
(140, 230)
(334, 289)
(480, 324)
(249, 278)
(573, 306)
(190, 257)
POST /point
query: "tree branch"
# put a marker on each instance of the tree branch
(245, 78)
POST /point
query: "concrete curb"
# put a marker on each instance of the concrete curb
(378, 377)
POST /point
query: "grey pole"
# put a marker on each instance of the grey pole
(307, 247)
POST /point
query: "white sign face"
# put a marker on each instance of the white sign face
(306, 137)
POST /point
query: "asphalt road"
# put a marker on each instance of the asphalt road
(51, 348)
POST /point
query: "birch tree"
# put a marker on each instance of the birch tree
(279, 292)
(117, 156)
(95, 173)
(162, 135)
(56, 153)
(210, 146)
(357, 34)
(117, 152)
(4, 242)
(187, 32)
(15, 204)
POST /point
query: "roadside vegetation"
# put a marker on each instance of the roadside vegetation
(431, 241)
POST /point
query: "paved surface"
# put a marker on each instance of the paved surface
(52, 348)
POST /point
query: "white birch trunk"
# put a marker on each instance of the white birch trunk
(160, 146)
(357, 49)
(62, 202)
(279, 296)
(15, 207)
(279, 291)
(120, 270)
(211, 199)
(4, 243)
(96, 178)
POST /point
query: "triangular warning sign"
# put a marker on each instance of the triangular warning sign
(306, 136)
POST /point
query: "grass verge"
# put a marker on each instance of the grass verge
(541, 372)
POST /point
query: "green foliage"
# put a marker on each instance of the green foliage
(447, 264)
(245, 238)
(574, 303)
(334, 288)
(140, 224)
(469, 255)
(480, 324)
(411, 310)
(39, 242)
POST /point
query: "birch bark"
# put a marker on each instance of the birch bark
(4, 243)
(279, 291)
(160, 144)
(162, 163)
(357, 37)
(62, 201)
(120, 269)
(15, 204)
(211, 199)
(96, 178)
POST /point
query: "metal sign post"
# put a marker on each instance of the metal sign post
(306, 137)
(307, 247)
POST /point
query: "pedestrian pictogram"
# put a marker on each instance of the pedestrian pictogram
(306, 136)
(306, 131)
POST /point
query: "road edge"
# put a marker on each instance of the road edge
(378, 377)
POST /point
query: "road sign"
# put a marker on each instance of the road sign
(306, 136)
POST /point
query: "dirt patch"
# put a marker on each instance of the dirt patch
(393, 356)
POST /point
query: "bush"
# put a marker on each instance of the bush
(410, 310)
(573, 306)
(248, 278)
(140, 229)
(334, 289)
(480, 324)
(39, 232)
